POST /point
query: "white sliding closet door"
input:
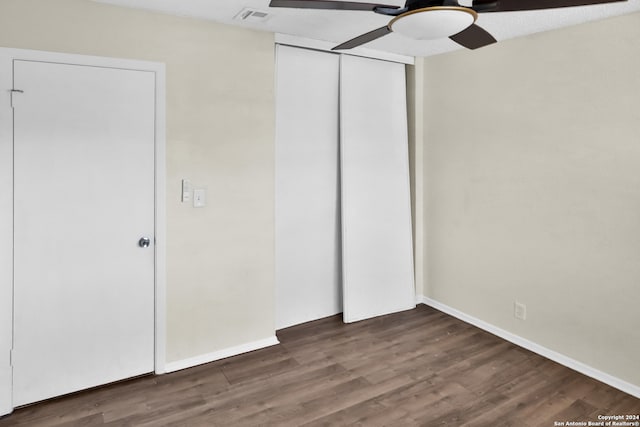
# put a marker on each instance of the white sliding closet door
(376, 211)
(308, 285)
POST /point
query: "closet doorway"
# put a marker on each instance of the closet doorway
(343, 221)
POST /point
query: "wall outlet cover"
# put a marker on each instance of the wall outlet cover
(520, 310)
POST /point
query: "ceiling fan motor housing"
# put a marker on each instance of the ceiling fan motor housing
(412, 5)
(421, 4)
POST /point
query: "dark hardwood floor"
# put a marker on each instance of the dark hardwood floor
(419, 367)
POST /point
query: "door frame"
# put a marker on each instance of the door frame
(7, 56)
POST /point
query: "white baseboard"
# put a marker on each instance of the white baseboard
(220, 354)
(587, 370)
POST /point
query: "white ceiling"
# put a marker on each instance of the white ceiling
(339, 26)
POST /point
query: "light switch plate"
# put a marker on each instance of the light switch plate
(199, 198)
(186, 190)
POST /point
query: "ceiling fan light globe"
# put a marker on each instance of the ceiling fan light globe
(433, 22)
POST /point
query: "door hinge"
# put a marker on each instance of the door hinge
(13, 92)
(11, 357)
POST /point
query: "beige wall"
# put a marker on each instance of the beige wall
(220, 118)
(532, 182)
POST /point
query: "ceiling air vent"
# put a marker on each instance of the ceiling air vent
(252, 15)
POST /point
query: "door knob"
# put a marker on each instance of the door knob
(144, 242)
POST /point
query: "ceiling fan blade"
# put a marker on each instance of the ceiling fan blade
(328, 4)
(522, 5)
(364, 38)
(473, 37)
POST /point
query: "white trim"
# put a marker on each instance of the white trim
(7, 55)
(587, 370)
(326, 46)
(420, 258)
(221, 354)
(161, 223)
(6, 232)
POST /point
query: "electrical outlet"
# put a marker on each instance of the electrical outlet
(520, 310)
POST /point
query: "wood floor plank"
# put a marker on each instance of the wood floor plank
(415, 368)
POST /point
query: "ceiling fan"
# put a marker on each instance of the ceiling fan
(433, 19)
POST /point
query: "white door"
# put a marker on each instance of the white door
(376, 202)
(308, 282)
(84, 196)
